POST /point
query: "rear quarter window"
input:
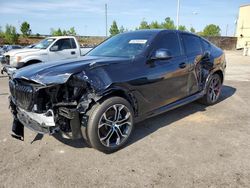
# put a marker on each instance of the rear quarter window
(206, 45)
(192, 44)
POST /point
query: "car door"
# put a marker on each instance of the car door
(66, 49)
(167, 78)
(194, 53)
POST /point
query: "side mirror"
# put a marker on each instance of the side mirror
(162, 54)
(54, 48)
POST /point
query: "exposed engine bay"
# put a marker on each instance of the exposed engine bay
(47, 109)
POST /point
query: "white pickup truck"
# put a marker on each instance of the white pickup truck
(49, 49)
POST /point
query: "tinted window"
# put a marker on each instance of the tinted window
(63, 44)
(123, 45)
(192, 44)
(206, 46)
(16, 47)
(169, 41)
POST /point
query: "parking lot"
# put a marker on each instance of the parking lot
(192, 146)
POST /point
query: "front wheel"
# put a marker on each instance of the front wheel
(213, 90)
(110, 124)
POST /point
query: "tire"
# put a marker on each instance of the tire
(107, 130)
(213, 90)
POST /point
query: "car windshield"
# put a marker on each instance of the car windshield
(123, 45)
(16, 47)
(44, 43)
(5, 48)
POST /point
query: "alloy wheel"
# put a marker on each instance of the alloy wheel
(214, 89)
(115, 125)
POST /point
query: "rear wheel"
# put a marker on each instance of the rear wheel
(213, 90)
(110, 124)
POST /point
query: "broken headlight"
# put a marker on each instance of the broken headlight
(77, 85)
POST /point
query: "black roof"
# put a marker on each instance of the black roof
(155, 31)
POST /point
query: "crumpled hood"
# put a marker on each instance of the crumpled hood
(20, 51)
(59, 72)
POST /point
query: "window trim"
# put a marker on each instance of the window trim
(72, 40)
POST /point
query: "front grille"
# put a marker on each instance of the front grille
(5, 60)
(22, 94)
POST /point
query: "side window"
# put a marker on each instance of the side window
(73, 43)
(169, 41)
(63, 44)
(206, 46)
(192, 44)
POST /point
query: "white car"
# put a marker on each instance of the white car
(49, 49)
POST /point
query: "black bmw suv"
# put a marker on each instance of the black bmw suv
(127, 78)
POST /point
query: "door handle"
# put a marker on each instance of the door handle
(73, 53)
(182, 65)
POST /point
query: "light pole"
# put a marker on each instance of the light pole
(177, 14)
(106, 19)
(226, 30)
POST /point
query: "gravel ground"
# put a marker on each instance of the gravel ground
(192, 146)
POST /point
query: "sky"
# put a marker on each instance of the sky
(88, 16)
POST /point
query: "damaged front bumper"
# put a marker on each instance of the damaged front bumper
(44, 123)
(46, 108)
(40, 123)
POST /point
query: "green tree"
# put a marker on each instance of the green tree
(192, 30)
(121, 29)
(168, 24)
(10, 35)
(211, 30)
(57, 32)
(71, 31)
(1, 33)
(25, 29)
(144, 25)
(64, 32)
(155, 25)
(200, 33)
(114, 29)
(182, 28)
